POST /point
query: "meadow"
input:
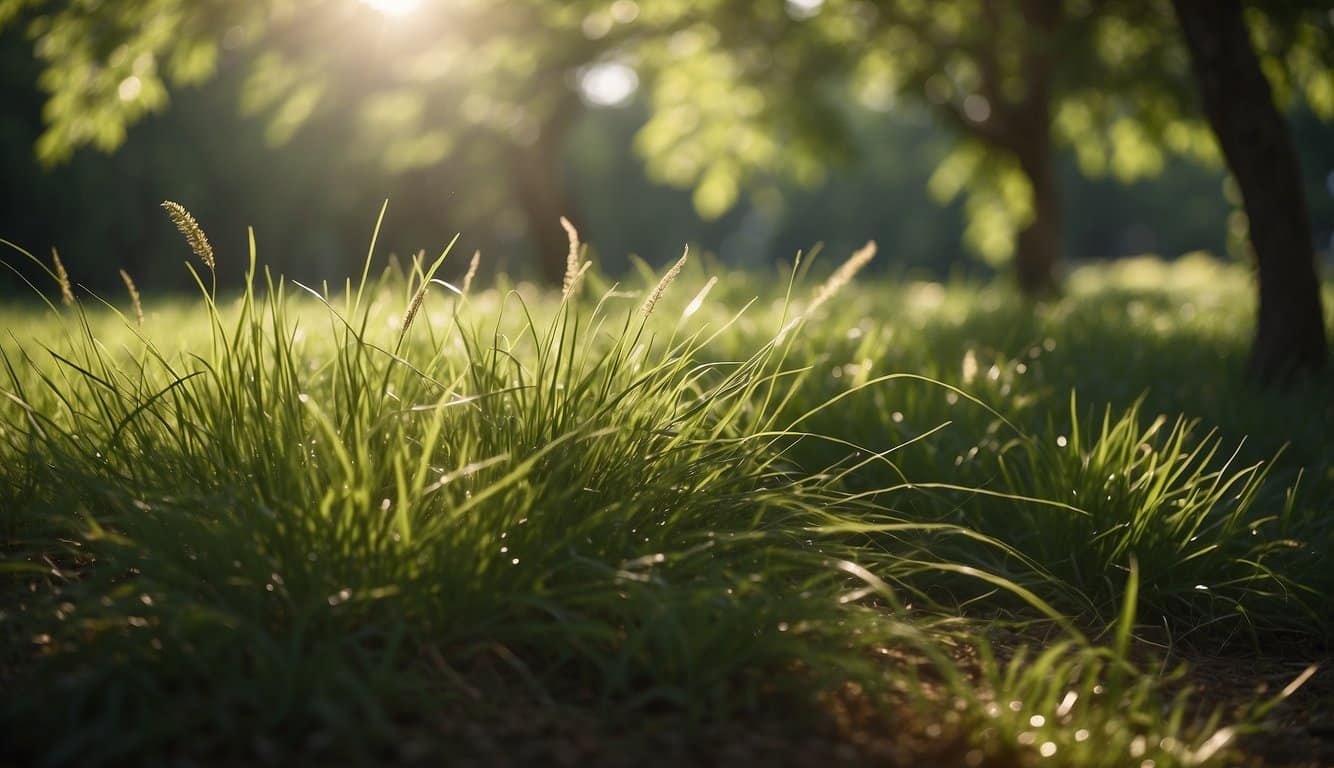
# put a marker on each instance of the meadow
(797, 516)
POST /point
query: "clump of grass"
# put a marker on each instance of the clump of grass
(365, 528)
(1262, 532)
(562, 493)
(1086, 502)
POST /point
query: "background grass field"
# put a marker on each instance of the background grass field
(918, 523)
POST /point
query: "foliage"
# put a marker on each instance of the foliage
(743, 96)
(760, 89)
(473, 82)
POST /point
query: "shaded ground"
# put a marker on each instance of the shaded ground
(841, 728)
(504, 718)
(1299, 733)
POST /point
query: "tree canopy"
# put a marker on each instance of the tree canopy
(742, 94)
(499, 79)
(1013, 79)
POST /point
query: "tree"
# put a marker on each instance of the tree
(744, 92)
(1014, 79)
(1290, 332)
(494, 82)
(1010, 78)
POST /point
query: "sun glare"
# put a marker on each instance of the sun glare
(608, 83)
(394, 8)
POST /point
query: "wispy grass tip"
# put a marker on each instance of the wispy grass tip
(191, 231)
(62, 277)
(842, 276)
(646, 308)
(134, 297)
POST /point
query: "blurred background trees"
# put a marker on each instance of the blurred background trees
(966, 135)
(1013, 82)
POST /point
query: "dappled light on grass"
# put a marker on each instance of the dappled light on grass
(370, 505)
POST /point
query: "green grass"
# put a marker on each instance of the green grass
(280, 527)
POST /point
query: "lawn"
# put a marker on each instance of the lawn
(792, 517)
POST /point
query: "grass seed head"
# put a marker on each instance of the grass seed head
(842, 276)
(134, 297)
(66, 290)
(411, 314)
(191, 231)
(573, 268)
(646, 308)
(572, 282)
(472, 271)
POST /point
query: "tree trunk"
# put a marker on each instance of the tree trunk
(1040, 242)
(538, 182)
(538, 179)
(1290, 332)
(1024, 128)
